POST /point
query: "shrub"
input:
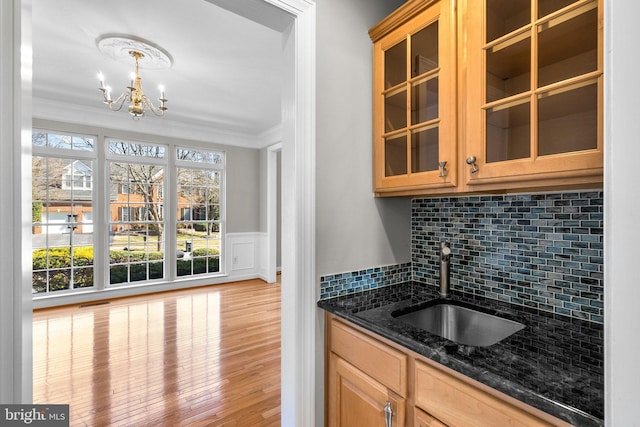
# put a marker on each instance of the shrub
(200, 265)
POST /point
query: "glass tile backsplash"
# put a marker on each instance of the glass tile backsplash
(539, 250)
(362, 280)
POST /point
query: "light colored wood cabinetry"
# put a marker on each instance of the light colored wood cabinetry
(415, 98)
(367, 380)
(457, 403)
(356, 399)
(481, 95)
(532, 76)
(365, 374)
(422, 419)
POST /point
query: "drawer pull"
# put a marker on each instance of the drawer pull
(471, 161)
(388, 414)
(443, 169)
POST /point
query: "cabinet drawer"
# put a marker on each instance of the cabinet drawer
(457, 403)
(422, 419)
(379, 361)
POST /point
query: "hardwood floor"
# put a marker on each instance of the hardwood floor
(203, 357)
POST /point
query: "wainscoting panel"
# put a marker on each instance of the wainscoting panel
(243, 255)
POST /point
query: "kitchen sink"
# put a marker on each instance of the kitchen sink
(459, 322)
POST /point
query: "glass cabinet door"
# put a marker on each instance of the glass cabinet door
(542, 72)
(531, 88)
(415, 78)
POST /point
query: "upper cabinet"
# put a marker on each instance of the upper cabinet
(479, 95)
(415, 98)
(532, 98)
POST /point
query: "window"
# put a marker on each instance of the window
(133, 244)
(198, 231)
(137, 243)
(62, 212)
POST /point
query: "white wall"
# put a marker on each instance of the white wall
(354, 230)
(622, 213)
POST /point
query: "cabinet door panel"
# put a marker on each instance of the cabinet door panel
(359, 400)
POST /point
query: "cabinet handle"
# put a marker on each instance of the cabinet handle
(472, 162)
(388, 414)
(443, 169)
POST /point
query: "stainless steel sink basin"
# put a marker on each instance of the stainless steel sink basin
(461, 323)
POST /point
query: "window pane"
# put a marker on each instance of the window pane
(395, 111)
(424, 50)
(545, 7)
(508, 133)
(82, 143)
(508, 69)
(568, 121)
(41, 138)
(424, 150)
(505, 16)
(134, 149)
(568, 48)
(199, 156)
(395, 65)
(424, 101)
(395, 155)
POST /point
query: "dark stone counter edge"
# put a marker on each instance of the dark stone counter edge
(562, 411)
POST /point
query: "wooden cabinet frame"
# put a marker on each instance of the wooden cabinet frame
(462, 117)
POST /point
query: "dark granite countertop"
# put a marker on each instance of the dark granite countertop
(554, 364)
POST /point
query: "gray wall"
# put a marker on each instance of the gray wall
(354, 230)
(242, 185)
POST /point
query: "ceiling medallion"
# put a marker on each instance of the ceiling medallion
(118, 46)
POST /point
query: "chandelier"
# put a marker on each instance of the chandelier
(133, 96)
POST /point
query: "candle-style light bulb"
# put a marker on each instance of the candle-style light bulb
(161, 88)
(101, 78)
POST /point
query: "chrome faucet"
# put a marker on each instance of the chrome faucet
(445, 254)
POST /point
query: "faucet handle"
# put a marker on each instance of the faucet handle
(445, 250)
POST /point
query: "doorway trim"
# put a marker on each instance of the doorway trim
(273, 230)
(300, 393)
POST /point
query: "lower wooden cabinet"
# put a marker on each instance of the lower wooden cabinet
(359, 400)
(366, 374)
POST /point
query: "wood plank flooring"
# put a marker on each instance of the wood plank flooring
(201, 357)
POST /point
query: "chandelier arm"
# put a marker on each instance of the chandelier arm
(119, 102)
(159, 111)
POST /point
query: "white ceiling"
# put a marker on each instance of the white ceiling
(224, 85)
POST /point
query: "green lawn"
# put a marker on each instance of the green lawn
(199, 240)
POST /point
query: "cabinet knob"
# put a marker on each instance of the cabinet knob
(443, 169)
(472, 162)
(388, 414)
